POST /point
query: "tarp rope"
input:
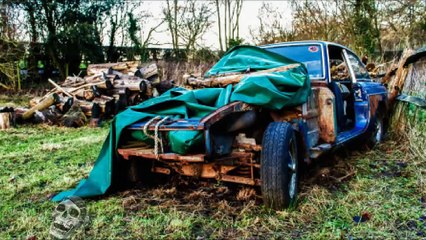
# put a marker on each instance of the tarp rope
(156, 137)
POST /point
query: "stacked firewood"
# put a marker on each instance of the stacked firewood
(106, 90)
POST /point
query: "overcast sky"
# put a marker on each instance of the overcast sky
(248, 20)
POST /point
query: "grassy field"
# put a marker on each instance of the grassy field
(385, 187)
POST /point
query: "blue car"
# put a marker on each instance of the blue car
(264, 148)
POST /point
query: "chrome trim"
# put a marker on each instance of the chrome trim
(328, 80)
(351, 70)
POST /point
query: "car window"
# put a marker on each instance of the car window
(310, 55)
(360, 71)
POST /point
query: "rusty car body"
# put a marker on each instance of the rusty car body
(240, 140)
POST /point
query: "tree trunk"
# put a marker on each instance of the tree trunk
(219, 25)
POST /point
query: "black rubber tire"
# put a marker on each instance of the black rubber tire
(275, 172)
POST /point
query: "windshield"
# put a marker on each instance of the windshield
(309, 54)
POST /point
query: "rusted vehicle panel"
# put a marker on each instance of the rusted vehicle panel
(249, 145)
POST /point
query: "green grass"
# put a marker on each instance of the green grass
(38, 161)
(15, 100)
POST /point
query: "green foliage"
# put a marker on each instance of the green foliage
(68, 30)
(232, 42)
(366, 26)
(11, 52)
(367, 37)
(205, 55)
(138, 48)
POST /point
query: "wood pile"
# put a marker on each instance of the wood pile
(106, 90)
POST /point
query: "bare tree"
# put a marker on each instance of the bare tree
(402, 23)
(187, 23)
(195, 23)
(140, 35)
(271, 28)
(219, 25)
(229, 28)
(111, 25)
(171, 17)
(10, 48)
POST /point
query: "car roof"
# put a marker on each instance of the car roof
(323, 43)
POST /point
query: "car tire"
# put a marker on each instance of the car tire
(279, 166)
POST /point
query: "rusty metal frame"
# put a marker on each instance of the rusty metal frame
(222, 169)
(221, 112)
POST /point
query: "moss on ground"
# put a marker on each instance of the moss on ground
(385, 186)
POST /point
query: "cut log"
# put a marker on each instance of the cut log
(86, 107)
(98, 71)
(47, 102)
(134, 99)
(99, 81)
(7, 118)
(105, 103)
(18, 114)
(96, 115)
(133, 84)
(86, 94)
(67, 105)
(74, 117)
(95, 91)
(223, 81)
(118, 91)
(122, 103)
(147, 71)
(51, 116)
(116, 75)
(35, 101)
(123, 67)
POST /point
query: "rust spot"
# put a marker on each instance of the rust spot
(286, 115)
(374, 103)
(326, 121)
(237, 167)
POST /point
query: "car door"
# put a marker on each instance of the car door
(366, 93)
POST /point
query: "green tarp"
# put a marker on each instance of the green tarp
(271, 91)
(247, 58)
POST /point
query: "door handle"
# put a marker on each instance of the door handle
(358, 95)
